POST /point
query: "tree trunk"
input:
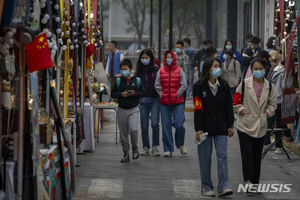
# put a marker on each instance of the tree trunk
(140, 35)
(199, 35)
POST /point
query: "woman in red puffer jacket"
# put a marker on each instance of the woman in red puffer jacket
(170, 84)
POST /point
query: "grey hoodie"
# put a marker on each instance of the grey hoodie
(277, 80)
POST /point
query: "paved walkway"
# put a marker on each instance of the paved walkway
(102, 176)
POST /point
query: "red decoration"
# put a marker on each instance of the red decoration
(237, 99)
(38, 54)
(90, 50)
(198, 104)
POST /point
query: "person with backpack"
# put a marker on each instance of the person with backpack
(128, 90)
(228, 45)
(170, 84)
(146, 70)
(213, 114)
(250, 53)
(254, 101)
(231, 70)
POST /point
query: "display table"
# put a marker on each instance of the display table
(108, 107)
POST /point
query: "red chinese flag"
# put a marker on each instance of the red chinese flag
(38, 54)
(198, 104)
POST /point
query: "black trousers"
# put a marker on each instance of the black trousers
(251, 150)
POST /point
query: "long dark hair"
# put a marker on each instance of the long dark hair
(205, 73)
(140, 66)
(233, 49)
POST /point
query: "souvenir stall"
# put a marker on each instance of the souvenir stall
(286, 23)
(48, 49)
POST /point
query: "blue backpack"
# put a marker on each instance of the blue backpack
(138, 83)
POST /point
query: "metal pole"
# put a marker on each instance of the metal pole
(110, 16)
(48, 93)
(298, 35)
(151, 22)
(21, 119)
(159, 29)
(101, 29)
(171, 25)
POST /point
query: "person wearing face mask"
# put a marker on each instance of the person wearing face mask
(170, 84)
(213, 114)
(248, 38)
(210, 52)
(183, 61)
(146, 70)
(250, 53)
(198, 56)
(128, 90)
(228, 45)
(231, 71)
(254, 101)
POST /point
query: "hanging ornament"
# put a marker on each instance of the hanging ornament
(54, 48)
(44, 21)
(49, 34)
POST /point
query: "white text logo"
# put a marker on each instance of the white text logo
(265, 187)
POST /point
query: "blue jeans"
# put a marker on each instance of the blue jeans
(151, 106)
(169, 115)
(190, 89)
(204, 155)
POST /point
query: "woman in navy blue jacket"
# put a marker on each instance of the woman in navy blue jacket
(228, 45)
(213, 114)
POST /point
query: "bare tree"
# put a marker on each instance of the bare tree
(136, 10)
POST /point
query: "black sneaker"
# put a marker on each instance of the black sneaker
(125, 158)
(135, 153)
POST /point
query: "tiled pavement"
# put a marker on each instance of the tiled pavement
(102, 176)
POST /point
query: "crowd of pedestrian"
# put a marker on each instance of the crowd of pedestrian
(247, 83)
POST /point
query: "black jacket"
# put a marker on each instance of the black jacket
(197, 58)
(131, 101)
(217, 115)
(247, 56)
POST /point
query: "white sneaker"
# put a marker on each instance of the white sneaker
(208, 193)
(225, 192)
(145, 152)
(183, 150)
(155, 151)
(278, 151)
(168, 154)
